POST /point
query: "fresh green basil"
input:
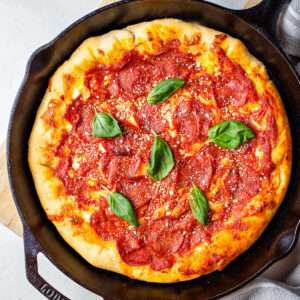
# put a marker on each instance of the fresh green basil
(161, 160)
(199, 205)
(164, 89)
(230, 134)
(105, 126)
(122, 208)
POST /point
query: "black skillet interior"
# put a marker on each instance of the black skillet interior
(275, 242)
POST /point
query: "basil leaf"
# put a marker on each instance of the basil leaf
(161, 160)
(199, 205)
(164, 89)
(230, 134)
(122, 208)
(105, 126)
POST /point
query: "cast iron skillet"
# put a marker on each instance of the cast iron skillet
(256, 27)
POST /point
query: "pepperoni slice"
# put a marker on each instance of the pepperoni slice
(134, 78)
(118, 168)
(233, 86)
(168, 242)
(160, 263)
(234, 92)
(136, 257)
(266, 164)
(193, 120)
(196, 170)
(107, 225)
(138, 191)
(172, 64)
(250, 184)
(73, 112)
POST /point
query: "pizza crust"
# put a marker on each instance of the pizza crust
(68, 81)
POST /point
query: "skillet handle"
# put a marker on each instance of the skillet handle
(288, 241)
(264, 17)
(32, 248)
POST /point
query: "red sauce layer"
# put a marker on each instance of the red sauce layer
(158, 239)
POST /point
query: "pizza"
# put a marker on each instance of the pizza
(161, 151)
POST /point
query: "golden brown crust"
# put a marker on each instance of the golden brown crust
(49, 128)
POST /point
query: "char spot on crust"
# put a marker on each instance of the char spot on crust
(195, 40)
(50, 84)
(55, 217)
(68, 82)
(50, 115)
(221, 36)
(76, 220)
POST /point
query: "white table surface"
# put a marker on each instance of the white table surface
(24, 26)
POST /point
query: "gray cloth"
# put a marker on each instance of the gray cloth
(288, 31)
(268, 289)
(271, 287)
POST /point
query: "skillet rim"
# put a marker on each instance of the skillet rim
(27, 229)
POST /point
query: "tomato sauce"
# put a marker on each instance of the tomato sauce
(119, 163)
